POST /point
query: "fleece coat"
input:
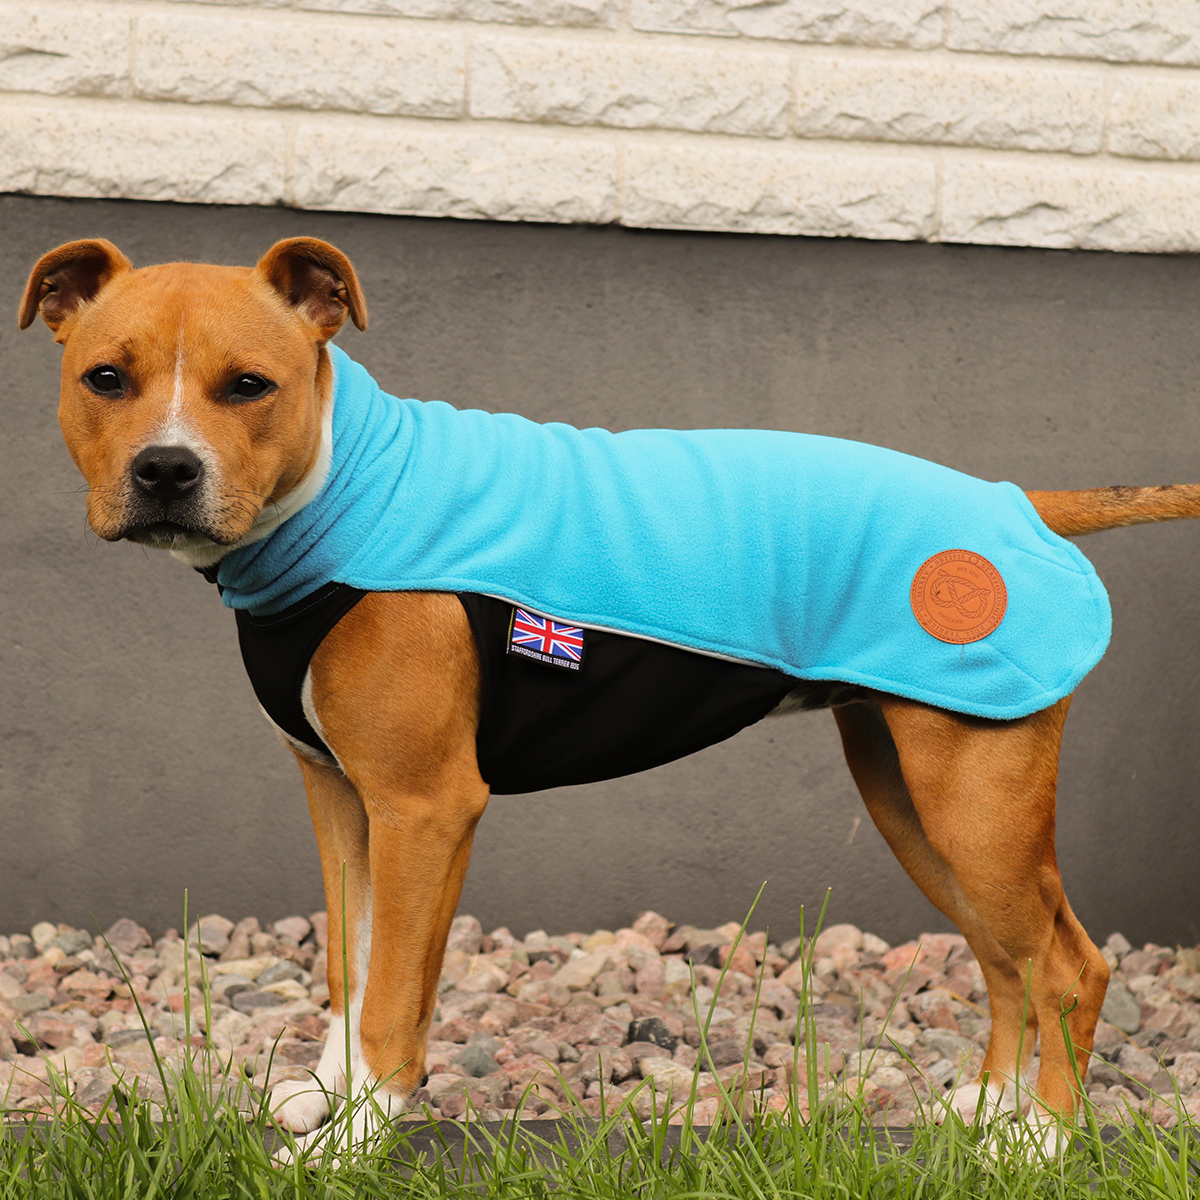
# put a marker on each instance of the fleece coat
(786, 550)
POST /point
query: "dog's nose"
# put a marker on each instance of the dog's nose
(167, 472)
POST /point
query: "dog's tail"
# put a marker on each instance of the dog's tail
(1096, 509)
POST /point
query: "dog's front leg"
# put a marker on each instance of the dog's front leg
(395, 696)
(340, 823)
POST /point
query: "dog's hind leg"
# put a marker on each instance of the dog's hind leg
(340, 822)
(875, 765)
(968, 808)
(983, 793)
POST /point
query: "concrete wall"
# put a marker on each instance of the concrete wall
(134, 762)
(1062, 123)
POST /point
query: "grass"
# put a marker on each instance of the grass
(210, 1141)
(202, 1147)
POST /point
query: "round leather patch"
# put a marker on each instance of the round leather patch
(958, 596)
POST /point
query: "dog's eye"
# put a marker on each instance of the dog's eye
(250, 387)
(105, 381)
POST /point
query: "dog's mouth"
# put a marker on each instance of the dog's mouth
(170, 535)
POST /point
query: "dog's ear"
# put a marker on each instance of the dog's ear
(317, 279)
(68, 277)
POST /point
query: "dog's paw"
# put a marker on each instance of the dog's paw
(372, 1112)
(1047, 1134)
(996, 1102)
(299, 1105)
(1039, 1138)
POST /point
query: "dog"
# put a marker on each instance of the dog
(197, 401)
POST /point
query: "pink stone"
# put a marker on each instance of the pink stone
(838, 937)
(466, 934)
(126, 936)
(487, 977)
(740, 960)
(938, 946)
(627, 938)
(902, 957)
(320, 924)
(88, 983)
(653, 927)
(296, 928)
(651, 978)
(591, 1030)
(796, 977)
(57, 1031)
(458, 1029)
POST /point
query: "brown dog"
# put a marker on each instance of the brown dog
(214, 383)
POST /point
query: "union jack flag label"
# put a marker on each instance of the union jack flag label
(545, 640)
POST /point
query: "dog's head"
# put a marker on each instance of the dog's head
(193, 396)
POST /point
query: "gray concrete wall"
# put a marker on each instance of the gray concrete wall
(134, 764)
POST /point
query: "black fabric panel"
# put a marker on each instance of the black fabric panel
(277, 649)
(633, 705)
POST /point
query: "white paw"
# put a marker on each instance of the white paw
(1047, 1134)
(372, 1111)
(997, 1102)
(1040, 1138)
(299, 1104)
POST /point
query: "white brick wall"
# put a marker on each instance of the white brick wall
(1064, 123)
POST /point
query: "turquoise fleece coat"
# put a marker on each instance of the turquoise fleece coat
(783, 549)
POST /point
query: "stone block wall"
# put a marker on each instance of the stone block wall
(1057, 123)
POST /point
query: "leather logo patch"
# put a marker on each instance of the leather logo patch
(958, 596)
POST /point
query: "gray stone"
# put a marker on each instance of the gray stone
(239, 939)
(486, 1041)
(1189, 959)
(22, 946)
(128, 1039)
(106, 961)
(30, 1003)
(706, 954)
(95, 1091)
(249, 1002)
(539, 948)
(948, 1045)
(791, 948)
(211, 933)
(476, 1061)
(145, 962)
(126, 936)
(1119, 944)
(280, 971)
(73, 941)
(1109, 1040)
(1121, 1006)
(1140, 1066)
(225, 987)
(263, 943)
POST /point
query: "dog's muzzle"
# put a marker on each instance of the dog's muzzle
(166, 496)
(167, 473)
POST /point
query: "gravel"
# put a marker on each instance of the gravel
(529, 1026)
